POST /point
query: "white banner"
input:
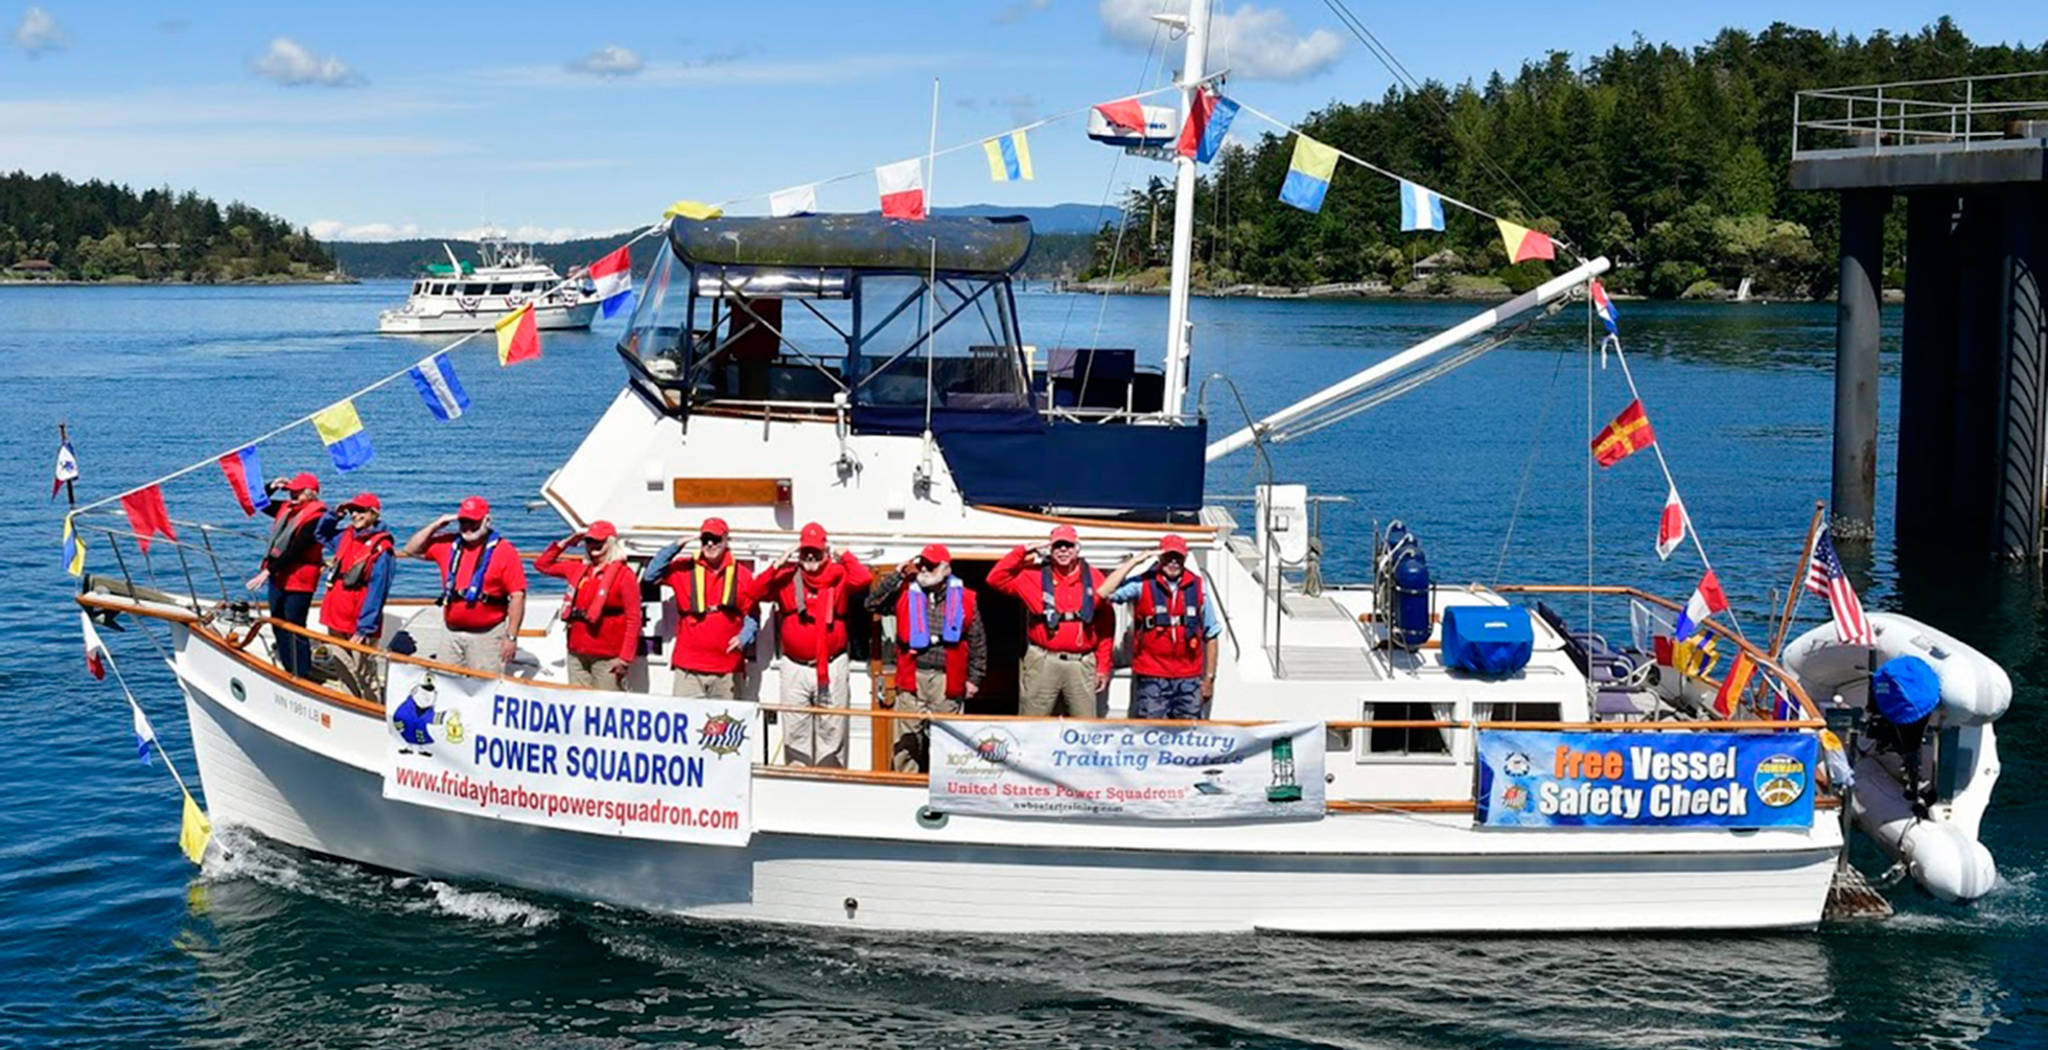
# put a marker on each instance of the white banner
(580, 759)
(1143, 772)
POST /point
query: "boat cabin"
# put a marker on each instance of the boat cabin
(908, 328)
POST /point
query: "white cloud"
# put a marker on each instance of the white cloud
(610, 61)
(336, 230)
(833, 70)
(290, 64)
(38, 32)
(1253, 42)
(1014, 11)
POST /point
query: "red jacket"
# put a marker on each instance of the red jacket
(813, 629)
(504, 576)
(707, 622)
(1167, 639)
(296, 557)
(1072, 590)
(356, 561)
(602, 608)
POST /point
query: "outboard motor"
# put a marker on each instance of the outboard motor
(1401, 591)
(1904, 692)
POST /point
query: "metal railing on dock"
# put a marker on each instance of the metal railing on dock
(1953, 112)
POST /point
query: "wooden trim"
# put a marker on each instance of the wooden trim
(1190, 529)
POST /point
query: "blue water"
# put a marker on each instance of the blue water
(108, 937)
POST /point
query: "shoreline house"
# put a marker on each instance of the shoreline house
(32, 270)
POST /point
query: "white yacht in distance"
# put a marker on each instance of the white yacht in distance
(459, 297)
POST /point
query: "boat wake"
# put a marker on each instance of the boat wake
(239, 856)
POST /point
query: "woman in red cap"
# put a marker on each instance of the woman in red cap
(715, 617)
(941, 649)
(1175, 628)
(811, 598)
(291, 569)
(359, 576)
(483, 586)
(602, 608)
(1067, 664)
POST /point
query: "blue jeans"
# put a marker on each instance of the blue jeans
(1166, 697)
(294, 651)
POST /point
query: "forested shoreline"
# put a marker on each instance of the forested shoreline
(1671, 161)
(54, 229)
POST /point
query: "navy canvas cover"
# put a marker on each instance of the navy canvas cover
(1015, 458)
(1487, 639)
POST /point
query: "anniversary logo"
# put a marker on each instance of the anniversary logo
(1052, 769)
(1727, 780)
(581, 759)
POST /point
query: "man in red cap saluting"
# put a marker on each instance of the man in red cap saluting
(291, 568)
(483, 586)
(1066, 666)
(715, 615)
(359, 576)
(941, 649)
(602, 608)
(810, 587)
(1173, 646)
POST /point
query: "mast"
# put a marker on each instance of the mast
(1191, 75)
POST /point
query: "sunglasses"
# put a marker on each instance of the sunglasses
(710, 540)
(466, 524)
(927, 565)
(1065, 545)
(811, 555)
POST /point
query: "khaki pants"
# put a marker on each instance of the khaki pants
(477, 650)
(706, 685)
(589, 671)
(1057, 683)
(814, 740)
(911, 752)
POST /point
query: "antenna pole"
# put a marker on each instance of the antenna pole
(1177, 327)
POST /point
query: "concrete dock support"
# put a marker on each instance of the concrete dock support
(1854, 499)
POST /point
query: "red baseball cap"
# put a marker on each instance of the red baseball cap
(365, 501)
(714, 527)
(1066, 533)
(1173, 543)
(304, 481)
(936, 553)
(600, 530)
(474, 508)
(813, 537)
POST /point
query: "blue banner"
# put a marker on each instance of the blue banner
(1607, 780)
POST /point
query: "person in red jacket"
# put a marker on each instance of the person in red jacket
(483, 586)
(812, 587)
(291, 568)
(1067, 664)
(1174, 632)
(715, 617)
(941, 648)
(602, 608)
(358, 577)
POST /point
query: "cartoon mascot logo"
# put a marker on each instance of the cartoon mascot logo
(415, 718)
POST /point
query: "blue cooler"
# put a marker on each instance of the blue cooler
(1487, 639)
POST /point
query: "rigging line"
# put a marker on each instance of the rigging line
(943, 151)
(1400, 72)
(1591, 688)
(1684, 512)
(1529, 463)
(308, 417)
(1569, 248)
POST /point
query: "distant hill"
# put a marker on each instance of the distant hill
(97, 231)
(1063, 247)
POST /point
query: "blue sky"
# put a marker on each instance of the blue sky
(377, 120)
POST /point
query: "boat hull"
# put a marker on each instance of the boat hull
(293, 767)
(547, 318)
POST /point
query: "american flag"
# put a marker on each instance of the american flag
(1824, 576)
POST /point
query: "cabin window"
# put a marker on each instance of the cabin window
(441, 288)
(655, 333)
(528, 286)
(418, 287)
(1518, 712)
(501, 288)
(970, 353)
(1396, 741)
(475, 289)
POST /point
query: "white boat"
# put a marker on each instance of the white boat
(461, 297)
(726, 411)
